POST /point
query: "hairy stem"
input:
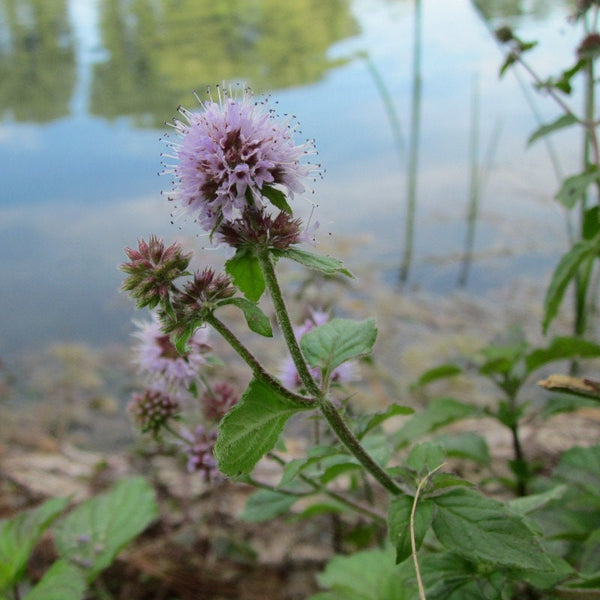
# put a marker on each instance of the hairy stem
(257, 369)
(353, 504)
(353, 444)
(285, 324)
(334, 419)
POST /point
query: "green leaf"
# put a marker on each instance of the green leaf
(561, 348)
(98, 529)
(372, 421)
(563, 274)
(425, 457)
(324, 264)
(560, 123)
(245, 272)
(574, 187)
(277, 198)
(19, 535)
(337, 341)
(564, 403)
(255, 317)
(580, 467)
(439, 412)
(526, 504)
(448, 576)
(328, 507)
(368, 575)
(399, 524)
(62, 581)
(545, 580)
(338, 469)
(266, 504)
(508, 62)
(251, 428)
(591, 223)
(482, 529)
(439, 372)
(466, 445)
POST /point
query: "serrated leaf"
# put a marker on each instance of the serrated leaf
(545, 580)
(560, 123)
(399, 524)
(263, 505)
(526, 504)
(561, 348)
(563, 274)
(19, 535)
(482, 529)
(449, 577)
(439, 412)
(98, 529)
(62, 581)
(337, 341)
(277, 198)
(251, 428)
(439, 372)
(255, 317)
(324, 264)
(574, 187)
(245, 272)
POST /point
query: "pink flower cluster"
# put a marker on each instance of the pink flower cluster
(200, 452)
(152, 410)
(159, 361)
(227, 153)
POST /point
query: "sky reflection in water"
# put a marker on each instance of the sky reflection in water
(79, 143)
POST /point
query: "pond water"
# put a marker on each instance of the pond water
(86, 85)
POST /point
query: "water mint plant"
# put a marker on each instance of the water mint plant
(236, 171)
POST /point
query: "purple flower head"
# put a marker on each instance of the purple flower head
(344, 373)
(228, 152)
(153, 409)
(200, 452)
(157, 358)
(152, 269)
(218, 400)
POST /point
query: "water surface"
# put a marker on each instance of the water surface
(86, 86)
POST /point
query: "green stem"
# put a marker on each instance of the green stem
(356, 506)
(353, 444)
(284, 322)
(257, 369)
(331, 414)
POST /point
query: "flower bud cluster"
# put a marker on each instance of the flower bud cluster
(153, 409)
(259, 228)
(152, 270)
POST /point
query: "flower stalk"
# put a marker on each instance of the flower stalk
(257, 369)
(332, 416)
